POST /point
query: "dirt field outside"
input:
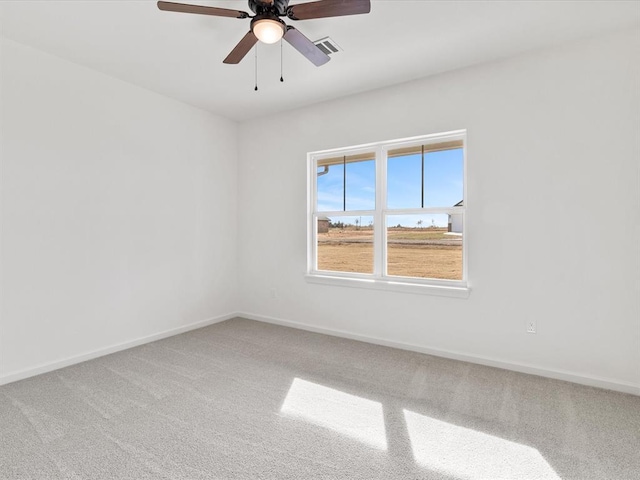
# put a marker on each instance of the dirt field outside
(411, 252)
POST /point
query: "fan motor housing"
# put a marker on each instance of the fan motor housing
(278, 7)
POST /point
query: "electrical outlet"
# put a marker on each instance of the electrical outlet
(531, 326)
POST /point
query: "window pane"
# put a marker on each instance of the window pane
(345, 244)
(359, 180)
(361, 185)
(443, 178)
(425, 246)
(403, 181)
(330, 187)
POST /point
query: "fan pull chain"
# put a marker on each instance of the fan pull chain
(256, 67)
(281, 63)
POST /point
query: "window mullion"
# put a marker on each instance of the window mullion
(379, 240)
(344, 183)
(422, 181)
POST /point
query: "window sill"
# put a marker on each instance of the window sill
(390, 285)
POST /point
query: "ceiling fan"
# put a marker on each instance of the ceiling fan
(267, 27)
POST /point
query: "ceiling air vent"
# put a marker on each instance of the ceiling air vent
(328, 46)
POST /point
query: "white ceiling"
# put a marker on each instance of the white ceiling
(180, 55)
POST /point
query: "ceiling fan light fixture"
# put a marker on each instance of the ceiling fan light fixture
(268, 30)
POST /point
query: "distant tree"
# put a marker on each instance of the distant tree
(398, 226)
(357, 224)
(419, 223)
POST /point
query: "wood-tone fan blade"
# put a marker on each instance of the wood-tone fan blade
(306, 47)
(200, 10)
(328, 8)
(241, 50)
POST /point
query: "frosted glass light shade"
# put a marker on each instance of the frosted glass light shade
(268, 31)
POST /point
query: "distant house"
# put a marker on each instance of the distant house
(323, 224)
(455, 220)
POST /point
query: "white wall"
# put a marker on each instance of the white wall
(553, 168)
(118, 212)
(119, 215)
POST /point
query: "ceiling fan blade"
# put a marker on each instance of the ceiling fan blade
(306, 47)
(328, 8)
(241, 50)
(200, 10)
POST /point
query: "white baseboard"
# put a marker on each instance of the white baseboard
(50, 366)
(608, 384)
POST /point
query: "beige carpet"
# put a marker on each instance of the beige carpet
(245, 400)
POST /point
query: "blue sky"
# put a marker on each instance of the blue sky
(443, 184)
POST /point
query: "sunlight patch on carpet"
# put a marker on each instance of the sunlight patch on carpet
(349, 415)
(471, 455)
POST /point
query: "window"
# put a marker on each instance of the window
(390, 215)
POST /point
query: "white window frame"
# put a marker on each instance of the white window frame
(379, 279)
